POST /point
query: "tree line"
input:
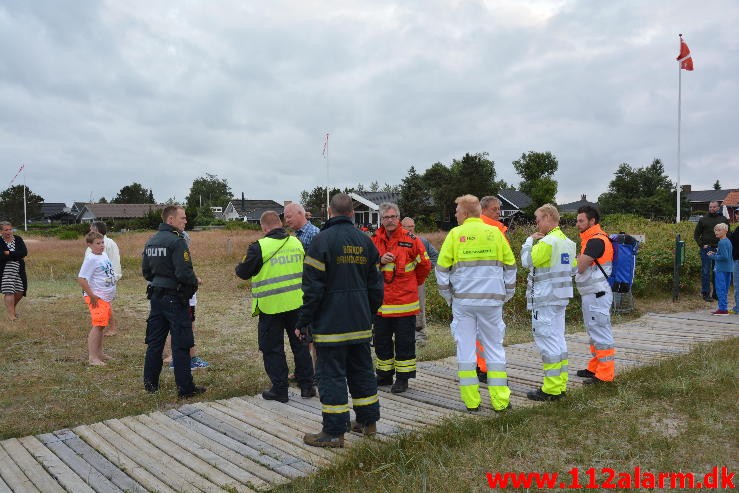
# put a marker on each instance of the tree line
(429, 196)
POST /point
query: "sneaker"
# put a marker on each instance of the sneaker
(388, 380)
(196, 362)
(308, 392)
(195, 391)
(400, 386)
(720, 312)
(540, 395)
(585, 373)
(323, 440)
(271, 395)
(366, 430)
(733, 311)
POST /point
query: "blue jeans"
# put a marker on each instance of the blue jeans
(706, 273)
(736, 286)
(722, 289)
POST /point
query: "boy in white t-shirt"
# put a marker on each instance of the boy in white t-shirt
(97, 278)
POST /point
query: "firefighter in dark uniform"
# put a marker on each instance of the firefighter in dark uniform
(275, 266)
(172, 282)
(342, 290)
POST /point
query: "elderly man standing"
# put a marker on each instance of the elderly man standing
(342, 291)
(297, 219)
(550, 257)
(405, 264)
(410, 225)
(707, 242)
(275, 266)
(476, 273)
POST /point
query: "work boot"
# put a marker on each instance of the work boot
(504, 410)
(594, 381)
(585, 373)
(400, 386)
(386, 380)
(323, 440)
(540, 395)
(308, 392)
(366, 430)
(271, 395)
(195, 391)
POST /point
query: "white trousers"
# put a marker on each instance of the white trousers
(485, 323)
(596, 314)
(548, 326)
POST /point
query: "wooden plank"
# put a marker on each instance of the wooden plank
(277, 433)
(4, 488)
(13, 476)
(277, 447)
(32, 469)
(83, 469)
(185, 451)
(267, 467)
(176, 467)
(59, 471)
(97, 441)
(289, 418)
(211, 452)
(103, 466)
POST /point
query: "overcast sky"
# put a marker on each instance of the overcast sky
(95, 95)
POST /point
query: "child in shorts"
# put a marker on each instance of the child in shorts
(97, 279)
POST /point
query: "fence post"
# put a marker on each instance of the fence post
(679, 259)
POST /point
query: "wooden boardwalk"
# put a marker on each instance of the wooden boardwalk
(247, 443)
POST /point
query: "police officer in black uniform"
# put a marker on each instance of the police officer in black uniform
(342, 290)
(172, 282)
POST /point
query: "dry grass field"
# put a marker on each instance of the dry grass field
(45, 383)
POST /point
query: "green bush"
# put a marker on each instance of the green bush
(68, 234)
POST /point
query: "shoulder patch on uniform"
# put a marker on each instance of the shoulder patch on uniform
(406, 244)
(187, 256)
(413, 236)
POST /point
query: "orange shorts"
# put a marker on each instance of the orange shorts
(101, 314)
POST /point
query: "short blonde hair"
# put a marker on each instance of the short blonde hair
(91, 236)
(469, 204)
(550, 211)
(720, 226)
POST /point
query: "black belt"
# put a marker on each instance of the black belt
(157, 291)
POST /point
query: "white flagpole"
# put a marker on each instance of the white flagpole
(679, 102)
(25, 219)
(325, 148)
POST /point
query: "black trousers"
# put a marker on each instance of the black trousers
(339, 367)
(169, 315)
(272, 328)
(403, 348)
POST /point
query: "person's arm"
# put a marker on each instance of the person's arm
(433, 252)
(183, 270)
(314, 282)
(509, 268)
(114, 254)
(375, 283)
(86, 287)
(698, 233)
(423, 267)
(20, 250)
(443, 269)
(594, 248)
(251, 264)
(723, 252)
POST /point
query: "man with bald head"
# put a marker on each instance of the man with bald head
(297, 219)
(275, 266)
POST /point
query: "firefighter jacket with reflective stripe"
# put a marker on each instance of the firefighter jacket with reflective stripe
(551, 263)
(591, 280)
(276, 287)
(342, 286)
(403, 276)
(476, 265)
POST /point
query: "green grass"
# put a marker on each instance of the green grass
(677, 415)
